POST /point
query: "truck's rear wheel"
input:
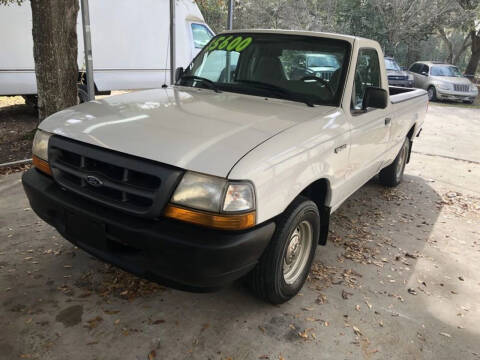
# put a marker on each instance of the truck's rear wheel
(284, 266)
(392, 175)
(82, 93)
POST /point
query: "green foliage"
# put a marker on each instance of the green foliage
(406, 29)
(9, 2)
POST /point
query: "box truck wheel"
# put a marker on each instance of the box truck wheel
(31, 100)
(82, 93)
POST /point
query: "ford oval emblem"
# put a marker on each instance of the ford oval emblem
(94, 181)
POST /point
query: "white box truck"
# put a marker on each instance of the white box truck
(130, 44)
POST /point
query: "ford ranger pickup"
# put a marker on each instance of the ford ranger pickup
(234, 171)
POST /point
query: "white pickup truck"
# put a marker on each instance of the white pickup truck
(232, 172)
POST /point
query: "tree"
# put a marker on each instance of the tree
(473, 25)
(54, 31)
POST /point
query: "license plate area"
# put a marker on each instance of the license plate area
(86, 231)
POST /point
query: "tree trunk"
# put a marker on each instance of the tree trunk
(54, 30)
(448, 43)
(475, 58)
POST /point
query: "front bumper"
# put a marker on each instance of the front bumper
(455, 95)
(170, 252)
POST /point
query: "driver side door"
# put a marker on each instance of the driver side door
(370, 127)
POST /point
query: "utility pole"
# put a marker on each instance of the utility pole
(172, 41)
(87, 46)
(230, 15)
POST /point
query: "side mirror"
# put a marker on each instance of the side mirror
(178, 73)
(375, 98)
(424, 73)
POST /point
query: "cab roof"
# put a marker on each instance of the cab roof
(348, 38)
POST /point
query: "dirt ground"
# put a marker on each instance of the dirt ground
(17, 121)
(398, 279)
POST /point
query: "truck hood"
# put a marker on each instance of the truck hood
(452, 79)
(191, 128)
(397, 73)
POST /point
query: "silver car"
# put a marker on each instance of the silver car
(443, 81)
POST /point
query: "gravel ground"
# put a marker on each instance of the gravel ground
(398, 279)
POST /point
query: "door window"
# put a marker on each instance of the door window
(425, 69)
(416, 68)
(367, 73)
(201, 35)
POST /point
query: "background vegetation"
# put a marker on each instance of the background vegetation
(409, 30)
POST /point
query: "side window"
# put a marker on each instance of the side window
(425, 69)
(201, 35)
(415, 68)
(367, 73)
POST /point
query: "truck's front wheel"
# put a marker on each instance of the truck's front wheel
(284, 266)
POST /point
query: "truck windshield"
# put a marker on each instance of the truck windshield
(451, 71)
(272, 65)
(391, 64)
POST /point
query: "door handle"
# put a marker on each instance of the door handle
(388, 121)
(340, 148)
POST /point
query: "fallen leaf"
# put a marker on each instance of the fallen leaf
(152, 355)
(445, 334)
(356, 330)
(346, 295)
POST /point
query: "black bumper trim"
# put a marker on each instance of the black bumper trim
(170, 252)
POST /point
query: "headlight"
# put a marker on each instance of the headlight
(40, 151)
(40, 144)
(199, 191)
(473, 88)
(213, 202)
(410, 77)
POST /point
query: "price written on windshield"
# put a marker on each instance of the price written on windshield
(230, 43)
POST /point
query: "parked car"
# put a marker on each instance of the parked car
(319, 65)
(397, 76)
(231, 175)
(129, 44)
(443, 82)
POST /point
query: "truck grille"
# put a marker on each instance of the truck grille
(326, 75)
(124, 182)
(397, 77)
(462, 88)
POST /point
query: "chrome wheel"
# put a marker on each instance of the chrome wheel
(297, 252)
(402, 159)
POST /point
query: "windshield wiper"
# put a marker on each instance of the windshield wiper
(284, 93)
(206, 81)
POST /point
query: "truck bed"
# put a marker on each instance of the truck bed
(400, 94)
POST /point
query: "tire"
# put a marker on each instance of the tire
(82, 93)
(278, 277)
(392, 175)
(31, 100)
(432, 93)
(469, 102)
